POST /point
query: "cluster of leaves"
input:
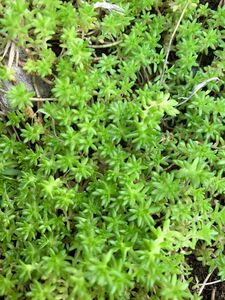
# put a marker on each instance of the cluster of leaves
(113, 185)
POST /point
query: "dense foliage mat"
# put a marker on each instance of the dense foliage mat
(111, 184)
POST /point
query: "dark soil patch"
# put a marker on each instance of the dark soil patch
(213, 4)
(55, 46)
(214, 291)
(206, 59)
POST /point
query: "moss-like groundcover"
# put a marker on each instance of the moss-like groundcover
(111, 183)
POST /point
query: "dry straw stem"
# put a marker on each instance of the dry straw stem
(13, 52)
(109, 6)
(39, 99)
(204, 283)
(213, 295)
(13, 55)
(7, 47)
(212, 282)
(171, 40)
(105, 45)
(197, 88)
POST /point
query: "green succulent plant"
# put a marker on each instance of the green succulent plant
(107, 187)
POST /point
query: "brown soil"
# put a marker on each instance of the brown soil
(210, 292)
(213, 4)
